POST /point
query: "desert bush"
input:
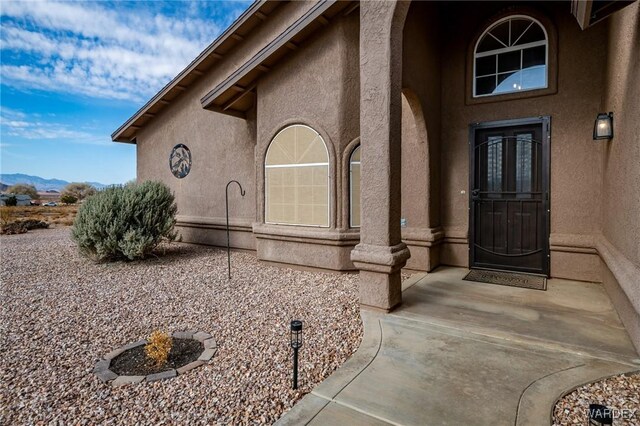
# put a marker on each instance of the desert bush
(125, 222)
(68, 199)
(24, 189)
(79, 190)
(12, 228)
(158, 347)
(11, 201)
(33, 224)
(21, 226)
(5, 216)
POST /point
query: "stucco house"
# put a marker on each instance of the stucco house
(21, 199)
(382, 135)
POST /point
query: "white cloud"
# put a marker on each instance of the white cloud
(17, 124)
(85, 48)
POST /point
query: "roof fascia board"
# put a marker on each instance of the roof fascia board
(581, 10)
(210, 50)
(280, 41)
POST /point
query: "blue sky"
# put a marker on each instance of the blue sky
(72, 72)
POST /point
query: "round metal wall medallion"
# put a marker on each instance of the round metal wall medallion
(180, 161)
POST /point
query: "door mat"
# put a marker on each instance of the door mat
(507, 278)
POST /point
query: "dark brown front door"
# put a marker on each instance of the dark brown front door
(509, 199)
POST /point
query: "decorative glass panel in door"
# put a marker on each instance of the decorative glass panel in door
(509, 212)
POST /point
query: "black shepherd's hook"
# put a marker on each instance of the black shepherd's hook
(227, 205)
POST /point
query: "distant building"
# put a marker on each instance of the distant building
(23, 200)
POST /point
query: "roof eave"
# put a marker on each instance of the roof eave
(242, 82)
(122, 134)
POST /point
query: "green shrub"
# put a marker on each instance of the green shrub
(68, 199)
(11, 201)
(125, 222)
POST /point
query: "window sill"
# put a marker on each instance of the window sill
(513, 96)
(294, 233)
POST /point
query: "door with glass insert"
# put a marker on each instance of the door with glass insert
(509, 197)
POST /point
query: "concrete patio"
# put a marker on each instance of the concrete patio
(460, 352)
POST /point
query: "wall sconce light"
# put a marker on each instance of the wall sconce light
(603, 127)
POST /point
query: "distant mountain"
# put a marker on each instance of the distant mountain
(41, 184)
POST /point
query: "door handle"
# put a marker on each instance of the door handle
(475, 194)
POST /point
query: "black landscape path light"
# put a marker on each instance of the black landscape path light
(600, 415)
(296, 343)
(227, 206)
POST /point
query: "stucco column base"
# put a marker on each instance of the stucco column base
(380, 280)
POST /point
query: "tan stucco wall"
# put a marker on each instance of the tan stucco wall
(621, 166)
(222, 147)
(421, 133)
(576, 168)
(621, 183)
(316, 85)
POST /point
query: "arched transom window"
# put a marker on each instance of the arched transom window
(297, 178)
(354, 192)
(511, 56)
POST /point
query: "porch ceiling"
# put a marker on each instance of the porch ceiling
(236, 94)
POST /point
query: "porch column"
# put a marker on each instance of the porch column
(381, 253)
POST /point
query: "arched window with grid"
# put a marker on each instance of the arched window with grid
(511, 56)
(297, 178)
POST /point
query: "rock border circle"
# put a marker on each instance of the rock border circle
(102, 371)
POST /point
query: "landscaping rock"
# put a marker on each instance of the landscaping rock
(161, 376)
(101, 365)
(618, 393)
(190, 366)
(83, 310)
(201, 336)
(207, 354)
(114, 353)
(126, 380)
(134, 345)
(106, 375)
(182, 334)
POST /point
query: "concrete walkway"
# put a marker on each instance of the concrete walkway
(464, 353)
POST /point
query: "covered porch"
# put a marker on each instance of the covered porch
(460, 352)
(419, 116)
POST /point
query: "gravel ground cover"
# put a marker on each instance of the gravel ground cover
(617, 392)
(61, 313)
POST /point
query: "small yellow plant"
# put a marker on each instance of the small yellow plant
(5, 215)
(158, 347)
